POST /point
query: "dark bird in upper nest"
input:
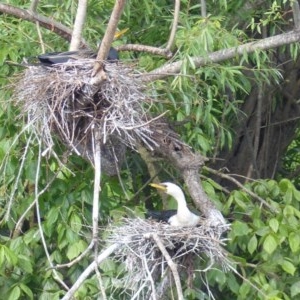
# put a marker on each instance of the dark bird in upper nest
(182, 216)
(53, 58)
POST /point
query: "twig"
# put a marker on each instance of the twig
(100, 281)
(33, 5)
(77, 259)
(171, 264)
(230, 178)
(21, 219)
(97, 189)
(78, 25)
(38, 216)
(154, 297)
(11, 198)
(174, 25)
(101, 257)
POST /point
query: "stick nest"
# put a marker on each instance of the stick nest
(60, 100)
(145, 263)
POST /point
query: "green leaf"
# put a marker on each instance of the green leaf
(294, 241)
(270, 244)
(15, 293)
(295, 289)
(252, 244)
(26, 290)
(274, 224)
(75, 249)
(75, 222)
(288, 267)
(25, 263)
(240, 229)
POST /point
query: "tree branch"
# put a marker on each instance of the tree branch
(174, 25)
(107, 41)
(170, 263)
(221, 55)
(296, 14)
(230, 178)
(78, 25)
(45, 22)
(86, 273)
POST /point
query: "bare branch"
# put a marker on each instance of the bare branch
(144, 48)
(171, 264)
(33, 5)
(108, 38)
(78, 258)
(203, 9)
(230, 178)
(296, 14)
(45, 22)
(78, 25)
(174, 25)
(84, 275)
(221, 55)
(38, 216)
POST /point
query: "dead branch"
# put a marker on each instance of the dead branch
(171, 265)
(78, 25)
(87, 272)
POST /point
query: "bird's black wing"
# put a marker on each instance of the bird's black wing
(161, 216)
(52, 58)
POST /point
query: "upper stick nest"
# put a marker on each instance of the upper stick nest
(60, 99)
(144, 260)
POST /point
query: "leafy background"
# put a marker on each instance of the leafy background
(205, 102)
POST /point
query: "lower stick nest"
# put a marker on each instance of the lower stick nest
(59, 100)
(144, 261)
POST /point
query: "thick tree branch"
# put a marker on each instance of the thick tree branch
(221, 55)
(78, 25)
(45, 22)
(107, 40)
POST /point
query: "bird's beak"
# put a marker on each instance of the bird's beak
(159, 186)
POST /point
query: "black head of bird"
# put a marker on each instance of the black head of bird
(183, 217)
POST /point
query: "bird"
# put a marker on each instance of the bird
(53, 58)
(181, 217)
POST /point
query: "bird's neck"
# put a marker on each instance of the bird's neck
(181, 202)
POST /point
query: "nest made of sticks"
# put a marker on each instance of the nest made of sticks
(142, 253)
(60, 100)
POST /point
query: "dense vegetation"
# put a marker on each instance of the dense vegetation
(242, 113)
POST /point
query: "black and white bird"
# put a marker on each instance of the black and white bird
(182, 217)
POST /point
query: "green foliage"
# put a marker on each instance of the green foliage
(207, 100)
(267, 241)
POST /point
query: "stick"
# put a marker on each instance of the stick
(101, 257)
(171, 264)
